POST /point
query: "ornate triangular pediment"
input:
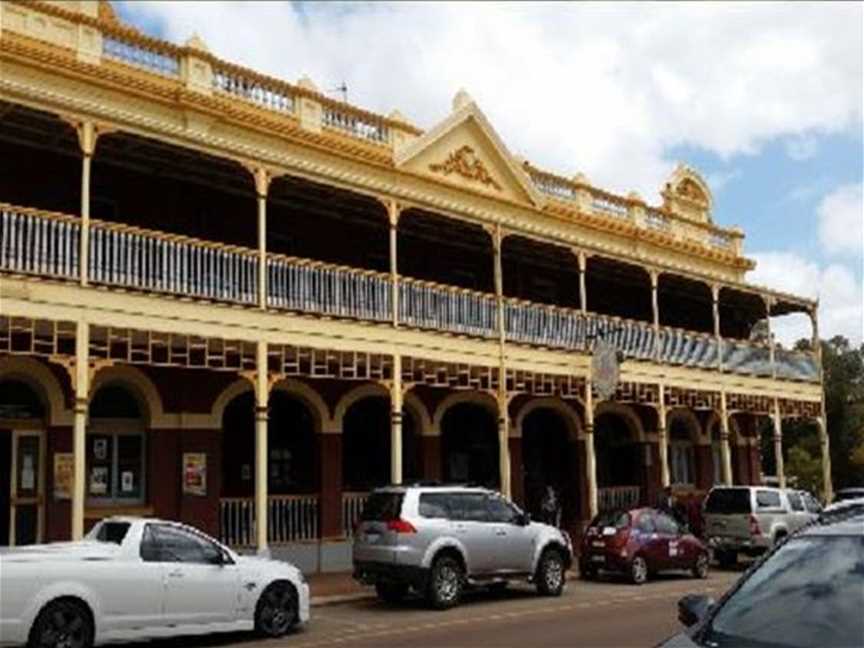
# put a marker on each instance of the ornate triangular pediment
(465, 151)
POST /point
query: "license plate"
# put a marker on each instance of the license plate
(598, 559)
(598, 544)
(371, 538)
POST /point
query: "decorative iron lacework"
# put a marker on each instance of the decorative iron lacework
(290, 360)
(793, 408)
(27, 336)
(545, 384)
(153, 348)
(692, 398)
(448, 374)
(633, 392)
(749, 403)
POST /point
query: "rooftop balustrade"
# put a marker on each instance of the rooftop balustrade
(46, 244)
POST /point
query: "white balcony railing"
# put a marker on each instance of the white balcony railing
(618, 498)
(290, 518)
(47, 244)
(352, 508)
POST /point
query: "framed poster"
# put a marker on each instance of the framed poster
(195, 473)
(99, 480)
(63, 473)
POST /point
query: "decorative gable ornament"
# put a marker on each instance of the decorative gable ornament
(465, 163)
(687, 194)
(605, 369)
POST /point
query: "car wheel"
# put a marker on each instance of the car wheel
(700, 568)
(276, 612)
(638, 570)
(62, 624)
(446, 581)
(391, 592)
(550, 573)
(727, 559)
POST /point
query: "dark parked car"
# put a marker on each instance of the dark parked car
(808, 591)
(639, 543)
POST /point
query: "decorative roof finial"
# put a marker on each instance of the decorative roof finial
(461, 100)
(307, 84)
(197, 43)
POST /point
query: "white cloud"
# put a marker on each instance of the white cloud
(840, 294)
(841, 221)
(602, 88)
(802, 148)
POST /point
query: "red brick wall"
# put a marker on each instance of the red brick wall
(430, 448)
(704, 467)
(517, 478)
(202, 511)
(58, 513)
(329, 456)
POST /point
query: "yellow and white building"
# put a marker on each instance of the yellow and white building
(234, 301)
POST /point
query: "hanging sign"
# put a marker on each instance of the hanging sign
(604, 368)
(195, 473)
(63, 473)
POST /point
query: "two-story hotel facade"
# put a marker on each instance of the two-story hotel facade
(236, 302)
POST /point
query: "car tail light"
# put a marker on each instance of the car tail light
(754, 526)
(400, 526)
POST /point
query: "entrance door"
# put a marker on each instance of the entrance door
(5, 484)
(27, 488)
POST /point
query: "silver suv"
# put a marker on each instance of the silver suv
(752, 519)
(436, 540)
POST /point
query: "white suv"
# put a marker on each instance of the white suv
(436, 540)
(752, 519)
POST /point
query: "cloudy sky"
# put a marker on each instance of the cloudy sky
(765, 99)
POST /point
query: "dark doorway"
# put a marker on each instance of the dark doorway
(547, 455)
(5, 484)
(366, 445)
(469, 444)
(617, 455)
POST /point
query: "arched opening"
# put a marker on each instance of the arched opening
(619, 466)
(469, 444)
(291, 429)
(681, 453)
(20, 462)
(116, 448)
(549, 461)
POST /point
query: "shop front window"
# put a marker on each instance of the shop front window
(115, 450)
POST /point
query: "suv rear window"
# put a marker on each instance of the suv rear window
(382, 507)
(795, 501)
(725, 501)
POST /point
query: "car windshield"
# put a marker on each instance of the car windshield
(382, 507)
(809, 593)
(724, 501)
(113, 532)
(615, 519)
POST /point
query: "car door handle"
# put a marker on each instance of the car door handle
(175, 574)
(501, 532)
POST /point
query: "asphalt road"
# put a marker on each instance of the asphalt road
(608, 613)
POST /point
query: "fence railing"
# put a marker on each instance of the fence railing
(352, 508)
(151, 58)
(38, 244)
(145, 260)
(297, 284)
(428, 305)
(363, 127)
(617, 498)
(48, 244)
(290, 518)
(270, 95)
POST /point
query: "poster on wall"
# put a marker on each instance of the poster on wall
(63, 471)
(195, 473)
(99, 480)
(127, 481)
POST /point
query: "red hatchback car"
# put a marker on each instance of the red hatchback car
(639, 543)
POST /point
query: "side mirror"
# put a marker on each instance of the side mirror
(217, 558)
(524, 519)
(693, 608)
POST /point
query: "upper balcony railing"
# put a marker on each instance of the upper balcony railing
(47, 244)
